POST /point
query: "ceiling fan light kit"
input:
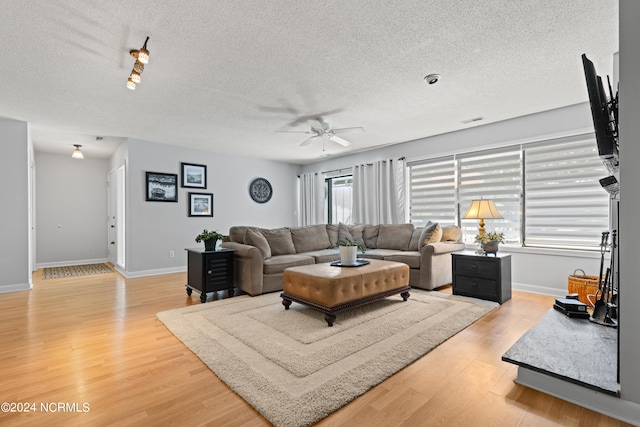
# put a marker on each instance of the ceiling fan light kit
(142, 58)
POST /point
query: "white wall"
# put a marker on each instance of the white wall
(155, 228)
(629, 200)
(14, 211)
(71, 210)
(534, 270)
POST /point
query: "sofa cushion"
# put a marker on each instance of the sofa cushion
(277, 264)
(378, 253)
(370, 236)
(279, 241)
(332, 232)
(451, 233)
(310, 238)
(411, 258)
(394, 236)
(255, 238)
(325, 255)
(432, 233)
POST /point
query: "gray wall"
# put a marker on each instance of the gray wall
(14, 213)
(629, 199)
(155, 228)
(534, 270)
(71, 210)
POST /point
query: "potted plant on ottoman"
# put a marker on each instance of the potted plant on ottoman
(349, 251)
(210, 239)
(490, 241)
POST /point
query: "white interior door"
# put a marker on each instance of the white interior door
(111, 217)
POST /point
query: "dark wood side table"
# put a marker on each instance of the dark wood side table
(209, 271)
(482, 276)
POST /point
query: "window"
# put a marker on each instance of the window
(495, 175)
(565, 206)
(548, 192)
(432, 191)
(339, 199)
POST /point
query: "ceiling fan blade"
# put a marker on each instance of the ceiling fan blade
(315, 124)
(339, 140)
(349, 130)
(308, 141)
(294, 131)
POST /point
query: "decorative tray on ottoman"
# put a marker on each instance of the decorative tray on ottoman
(359, 262)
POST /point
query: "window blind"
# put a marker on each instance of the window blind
(565, 206)
(432, 188)
(494, 175)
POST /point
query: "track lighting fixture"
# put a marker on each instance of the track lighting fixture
(142, 57)
(77, 154)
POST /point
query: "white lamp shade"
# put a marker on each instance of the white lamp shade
(77, 154)
(482, 209)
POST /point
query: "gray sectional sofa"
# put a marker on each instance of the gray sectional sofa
(262, 254)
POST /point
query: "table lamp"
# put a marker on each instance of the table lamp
(482, 209)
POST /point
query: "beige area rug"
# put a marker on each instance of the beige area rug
(294, 369)
(75, 270)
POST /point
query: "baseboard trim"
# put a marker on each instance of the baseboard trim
(15, 288)
(157, 272)
(69, 263)
(543, 290)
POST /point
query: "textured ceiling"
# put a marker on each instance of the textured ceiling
(227, 75)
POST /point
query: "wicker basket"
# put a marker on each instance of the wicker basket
(583, 285)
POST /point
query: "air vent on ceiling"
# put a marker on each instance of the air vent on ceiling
(475, 119)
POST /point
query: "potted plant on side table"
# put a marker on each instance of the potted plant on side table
(490, 241)
(210, 239)
(349, 251)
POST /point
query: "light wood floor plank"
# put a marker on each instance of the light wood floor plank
(96, 339)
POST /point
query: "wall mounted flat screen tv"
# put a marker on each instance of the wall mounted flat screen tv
(604, 112)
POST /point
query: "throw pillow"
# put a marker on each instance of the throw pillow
(255, 238)
(431, 233)
(356, 232)
(344, 233)
(414, 244)
(451, 233)
(279, 241)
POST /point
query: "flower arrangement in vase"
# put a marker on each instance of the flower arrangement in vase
(490, 241)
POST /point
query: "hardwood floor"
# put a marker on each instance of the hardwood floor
(95, 341)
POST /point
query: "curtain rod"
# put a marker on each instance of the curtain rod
(350, 168)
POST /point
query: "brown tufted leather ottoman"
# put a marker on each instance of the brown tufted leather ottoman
(332, 289)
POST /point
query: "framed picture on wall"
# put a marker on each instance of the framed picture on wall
(200, 204)
(194, 176)
(162, 187)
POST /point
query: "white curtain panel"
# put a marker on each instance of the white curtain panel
(379, 195)
(311, 199)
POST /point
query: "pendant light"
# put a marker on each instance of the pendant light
(77, 154)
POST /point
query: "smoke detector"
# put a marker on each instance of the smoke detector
(432, 78)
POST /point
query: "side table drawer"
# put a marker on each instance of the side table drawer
(472, 286)
(476, 267)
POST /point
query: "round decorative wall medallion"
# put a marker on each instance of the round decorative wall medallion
(260, 190)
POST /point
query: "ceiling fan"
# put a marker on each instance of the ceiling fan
(323, 130)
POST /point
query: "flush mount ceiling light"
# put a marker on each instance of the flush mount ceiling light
(77, 154)
(432, 78)
(142, 57)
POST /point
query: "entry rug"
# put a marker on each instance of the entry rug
(75, 270)
(294, 369)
